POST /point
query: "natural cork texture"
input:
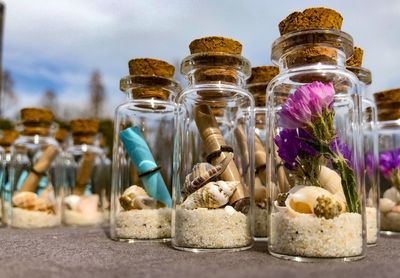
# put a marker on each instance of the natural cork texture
(150, 92)
(263, 74)
(149, 66)
(84, 126)
(387, 96)
(312, 18)
(215, 44)
(388, 103)
(61, 134)
(36, 115)
(356, 59)
(7, 137)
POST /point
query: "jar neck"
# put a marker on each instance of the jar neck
(316, 56)
(85, 139)
(216, 76)
(40, 129)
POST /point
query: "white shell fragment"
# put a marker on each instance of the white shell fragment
(72, 201)
(392, 194)
(229, 210)
(211, 195)
(303, 199)
(386, 205)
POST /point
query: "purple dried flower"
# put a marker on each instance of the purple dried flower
(341, 149)
(292, 146)
(306, 103)
(389, 161)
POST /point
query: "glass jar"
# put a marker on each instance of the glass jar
(316, 134)
(35, 172)
(141, 192)
(257, 85)
(388, 130)
(7, 138)
(106, 178)
(84, 190)
(214, 172)
(369, 121)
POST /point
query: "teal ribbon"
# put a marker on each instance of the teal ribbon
(142, 158)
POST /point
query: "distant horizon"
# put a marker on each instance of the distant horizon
(56, 45)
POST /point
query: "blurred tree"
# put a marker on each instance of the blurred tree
(97, 94)
(49, 101)
(6, 124)
(8, 97)
(106, 128)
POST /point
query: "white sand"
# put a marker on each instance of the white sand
(390, 221)
(22, 218)
(211, 228)
(76, 218)
(372, 225)
(260, 222)
(144, 224)
(310, 236)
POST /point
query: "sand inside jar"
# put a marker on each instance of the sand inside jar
(309, 236)
(260, 222)
(76, 218)
(22, 218)
(372, 225)
(211, 228)
(144, 224)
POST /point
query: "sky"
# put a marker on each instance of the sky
(58, 44)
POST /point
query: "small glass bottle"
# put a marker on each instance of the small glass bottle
(388, 130)
(316, 134)
(7, 138)
(369, 121)
(84, 190)
(257, 86)
(141, 192)
(35, 172)
(106, 178)
(214, 172)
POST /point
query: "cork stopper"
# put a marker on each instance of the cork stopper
(61, 134)
(7, 137)
(84, 126)
(312, 18)
(356, 59)
(263, 74)
(36, 115)
(150, 66)
(215, 44)
(391, 95)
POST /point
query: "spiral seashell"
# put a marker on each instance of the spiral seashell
(202, 173)
(331, 181)
(25, 200)
(211, 195)
(313, 200)
(135, 197)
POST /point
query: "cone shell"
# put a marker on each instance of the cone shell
(303, 199)
(135, 197)
(212, 195)
(331, 181)
(202, 173)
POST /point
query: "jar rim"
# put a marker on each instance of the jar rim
(216, 59)
(326, 37)
(388, 124)
(363, 74)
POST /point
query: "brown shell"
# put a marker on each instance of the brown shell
(202, 173)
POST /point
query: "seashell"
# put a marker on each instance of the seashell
(25, 200)
(386, 205)
(72, 201)
(396, 209)
(135, 197)
(202, 173)
(260, 196)
(211, 195)
(331, 181)
(392, 194)
(313, 200)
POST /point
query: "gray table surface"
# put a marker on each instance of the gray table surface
(88, 252)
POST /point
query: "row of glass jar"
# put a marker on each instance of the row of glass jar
(45, 181)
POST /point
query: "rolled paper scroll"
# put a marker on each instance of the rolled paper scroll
(84, 173)
(260, 162)
(148, 170)
(40, 167)
(213, 141)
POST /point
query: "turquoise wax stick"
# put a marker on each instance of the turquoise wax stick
(141, 156)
